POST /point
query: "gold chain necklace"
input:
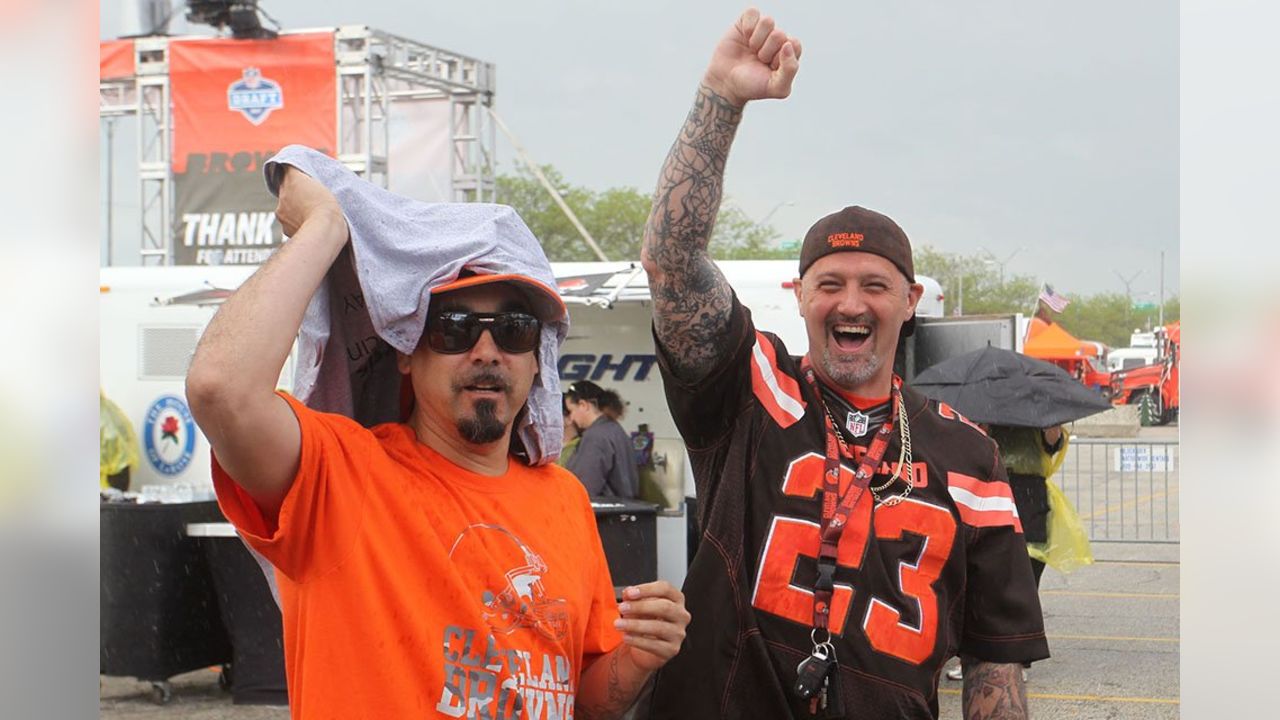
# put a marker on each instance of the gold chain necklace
(904, 454)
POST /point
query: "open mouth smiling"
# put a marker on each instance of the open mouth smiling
(850, 337)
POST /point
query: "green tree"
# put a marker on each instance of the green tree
(615, 218)
(972, 280)
(1172, 310)
(560, 240)
(1111, 318)
(738, 237)
(1105, 317)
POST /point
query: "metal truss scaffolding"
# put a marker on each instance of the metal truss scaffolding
(375, 70)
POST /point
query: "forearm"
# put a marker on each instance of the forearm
(691, 184)
(609, 687)
(993, 691)
(691, 298)
(249, 339)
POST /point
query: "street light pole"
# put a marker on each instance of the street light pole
(1128, 283)
(997, 261)
(1128, 291)
(786, 203)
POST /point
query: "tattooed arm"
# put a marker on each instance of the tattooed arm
(993, 691)
(609, 687)
(653, 624)
(691, 298)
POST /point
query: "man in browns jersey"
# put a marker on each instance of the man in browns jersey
(855, 534)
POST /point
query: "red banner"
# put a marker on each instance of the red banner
(235, 103)
(115, 59)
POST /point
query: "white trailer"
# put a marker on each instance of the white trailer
(150, 319)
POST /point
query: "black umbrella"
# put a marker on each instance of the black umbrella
(1002, 387)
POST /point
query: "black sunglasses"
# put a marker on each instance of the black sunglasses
(457, 331)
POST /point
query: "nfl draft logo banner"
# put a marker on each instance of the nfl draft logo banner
(235, 103)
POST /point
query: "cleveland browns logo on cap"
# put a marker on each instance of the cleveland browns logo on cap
(844, 239)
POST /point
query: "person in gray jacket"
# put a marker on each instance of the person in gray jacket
(604, 460)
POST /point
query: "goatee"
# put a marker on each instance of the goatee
(851, 373)
(485, 427)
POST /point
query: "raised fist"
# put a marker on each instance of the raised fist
(300, 198)
(754, 60)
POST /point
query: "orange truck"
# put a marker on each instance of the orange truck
(1157, 383)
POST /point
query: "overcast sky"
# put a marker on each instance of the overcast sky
(1049, 129)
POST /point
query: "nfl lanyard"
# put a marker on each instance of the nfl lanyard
(816, 680)
(836, 509)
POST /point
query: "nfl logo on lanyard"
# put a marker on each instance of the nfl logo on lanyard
(857, 423)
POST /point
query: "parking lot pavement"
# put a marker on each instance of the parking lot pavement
(196, 696)
(1113, 633)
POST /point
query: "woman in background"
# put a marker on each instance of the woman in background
(603, 460)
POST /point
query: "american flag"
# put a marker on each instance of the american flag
(1056, 302)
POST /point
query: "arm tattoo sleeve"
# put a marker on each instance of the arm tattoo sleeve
(691, 298)
(993, 691)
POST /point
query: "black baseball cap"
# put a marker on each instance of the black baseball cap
(857, 229)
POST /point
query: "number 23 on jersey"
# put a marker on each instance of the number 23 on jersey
(791, 538)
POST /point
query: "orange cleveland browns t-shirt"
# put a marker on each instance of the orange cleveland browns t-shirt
(412, 588)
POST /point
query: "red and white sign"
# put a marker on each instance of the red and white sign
(235, 103)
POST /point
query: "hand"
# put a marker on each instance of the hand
(652, 623)
(1052, 435)
(753, 61)
(302, 198)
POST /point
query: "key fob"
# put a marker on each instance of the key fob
(810, 674)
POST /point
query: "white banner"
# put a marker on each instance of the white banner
(420, 159)
(1137, 458)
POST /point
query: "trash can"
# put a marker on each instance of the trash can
(250, 615)
(158, 613)
(629, 533)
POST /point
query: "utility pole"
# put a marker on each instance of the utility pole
(785, 203)
(546, 185)
(1161, 288)
(1128, 291)
(1128, 283)
(1002, 263)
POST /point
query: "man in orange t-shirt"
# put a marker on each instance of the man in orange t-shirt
(424, 570)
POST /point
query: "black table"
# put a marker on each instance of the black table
(180, 592)
(250, 615)
(158, 610)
